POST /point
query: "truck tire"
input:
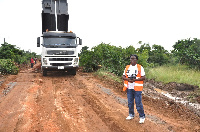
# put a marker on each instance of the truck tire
(44, 73)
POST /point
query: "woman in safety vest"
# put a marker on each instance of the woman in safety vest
(133, 77)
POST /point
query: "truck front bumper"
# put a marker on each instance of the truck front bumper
(58, 68)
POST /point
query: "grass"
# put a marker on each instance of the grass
(178, 73)
(165, 74)
(106, 74)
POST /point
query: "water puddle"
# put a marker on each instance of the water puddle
(188, 104)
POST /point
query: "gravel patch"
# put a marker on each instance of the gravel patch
(9, 88)
(110, 93)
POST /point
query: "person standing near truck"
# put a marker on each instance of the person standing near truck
(133, 77)
(32, 62)
(35, 60)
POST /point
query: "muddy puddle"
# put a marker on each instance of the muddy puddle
(152, 91)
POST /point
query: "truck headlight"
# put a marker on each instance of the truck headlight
(75, 61)
(45, 61)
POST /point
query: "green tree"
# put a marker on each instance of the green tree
(85, 48)
(144, 47)
(8, 51)
(158, 55)
(188, 52)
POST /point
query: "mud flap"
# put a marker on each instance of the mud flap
(44, 73)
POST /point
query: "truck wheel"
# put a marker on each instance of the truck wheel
(44, 73)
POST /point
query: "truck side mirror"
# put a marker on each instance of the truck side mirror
(38, 41)
(80, 41)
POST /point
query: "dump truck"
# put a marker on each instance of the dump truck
(59, 46)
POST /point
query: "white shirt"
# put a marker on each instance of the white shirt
(133, 70)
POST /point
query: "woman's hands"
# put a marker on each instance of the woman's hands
(131, 80)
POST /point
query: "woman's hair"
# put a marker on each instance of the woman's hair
(135, 56)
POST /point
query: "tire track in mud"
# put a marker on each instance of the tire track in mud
(52, 119)
(97, 100)
(29, 108)
(39, 112)
(74, 108)
(99, 109)
(77, 104)
(66, 104)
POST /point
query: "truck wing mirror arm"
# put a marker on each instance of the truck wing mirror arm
(38, 41)
(80, 41)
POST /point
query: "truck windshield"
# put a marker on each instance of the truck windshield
(59, 42)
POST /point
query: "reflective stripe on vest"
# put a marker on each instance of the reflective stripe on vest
(138, 84)
(125, 81)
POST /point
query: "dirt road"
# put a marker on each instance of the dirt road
(81, 103)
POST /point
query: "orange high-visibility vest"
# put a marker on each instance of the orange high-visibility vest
(138, 84)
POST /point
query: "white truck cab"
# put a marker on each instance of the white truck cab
(59, 52)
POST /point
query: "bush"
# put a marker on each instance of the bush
(8, 67)
(111, 58)
(87, 61)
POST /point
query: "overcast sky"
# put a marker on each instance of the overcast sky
(118, 22)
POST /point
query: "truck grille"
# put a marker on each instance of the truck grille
(60, 59)
(60, 52)
(60, 64)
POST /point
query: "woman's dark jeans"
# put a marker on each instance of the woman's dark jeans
(137, 95)
(31, 65)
